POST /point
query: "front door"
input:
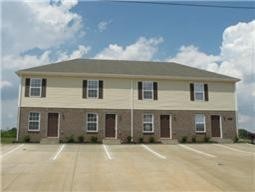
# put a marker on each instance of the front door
(215, 124)
(110, 123)
(52, 124)
(164, 126)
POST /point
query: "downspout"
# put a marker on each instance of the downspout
(132, 110)
(236, 111)
(19, 103)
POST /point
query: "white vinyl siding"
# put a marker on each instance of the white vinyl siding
(34, 121)
(200, 123)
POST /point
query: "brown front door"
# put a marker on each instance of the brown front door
(52, 124)
(215, 124)
(110, 125)
(164, 126)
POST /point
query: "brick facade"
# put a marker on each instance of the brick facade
(73, 122)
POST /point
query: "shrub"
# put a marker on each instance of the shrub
(206, 139)
(194, 139)
(141, 140)
(151, 140)
(129, 139)
(70, 139)
(26, 139)
(93, 139)
(81, 139)
(235, 139)
(184, 139)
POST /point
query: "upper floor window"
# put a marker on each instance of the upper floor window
(147, 90)
(34, 121)
(93, 88)
(200, 123)
(92, 122)
(35, 87)
(199, 91)
(148, 122)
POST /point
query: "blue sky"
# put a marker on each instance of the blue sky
(219, 40)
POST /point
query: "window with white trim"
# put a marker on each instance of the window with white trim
(34, 121)
(147, 90)
(148, 122)
(93, 88)
(199, 93)
(200, 123)
(35, 87)
(92, 122)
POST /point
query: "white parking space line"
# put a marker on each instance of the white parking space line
(233, 149)
(107, 152)
(16, 148)
(153, 152)
(197, 151)
(58, 152)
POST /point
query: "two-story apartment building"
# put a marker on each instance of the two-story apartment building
(116, 99)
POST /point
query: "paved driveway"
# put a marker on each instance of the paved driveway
(75, 167)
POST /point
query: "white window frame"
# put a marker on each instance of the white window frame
(30, 87)
(203, 92)
(97, 89)
(87, 122)
(152, 91)
(39, 121)
(204, 122)
(152, 131)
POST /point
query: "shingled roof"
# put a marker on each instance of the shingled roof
(125, 68)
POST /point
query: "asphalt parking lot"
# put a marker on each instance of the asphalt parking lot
(88, 167)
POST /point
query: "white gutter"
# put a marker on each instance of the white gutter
(132, 109)
(19, 103)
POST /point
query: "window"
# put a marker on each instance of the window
(92, 122)
(148, 123)
(35, 87)
(147, 90)
(92, 88)
(200, 123)
(34, 121)
(199, 91)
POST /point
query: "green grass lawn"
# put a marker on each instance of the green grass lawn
(7, 139)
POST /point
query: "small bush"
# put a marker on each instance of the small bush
(26, 139)
(151, 140)
(206, 139)
(129, 138)
(194, 140)
(81, 139)
(184, 139)
(70, 139)
(235, 139)
(93, 139)
(141, 140)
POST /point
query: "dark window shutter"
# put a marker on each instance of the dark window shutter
(101, 87)
(191, 91)
(140, 90)
(155, 90)
(206, 92)
(44, 84)
(27, 87)
(84, 89)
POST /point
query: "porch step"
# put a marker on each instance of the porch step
(111, 141)
(169, 141)
(220, 140)
(49, 141)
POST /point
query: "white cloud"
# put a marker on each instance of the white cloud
(103, 25)
(5, 84)
(237, 58)
(142, 49)
(37, 24)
